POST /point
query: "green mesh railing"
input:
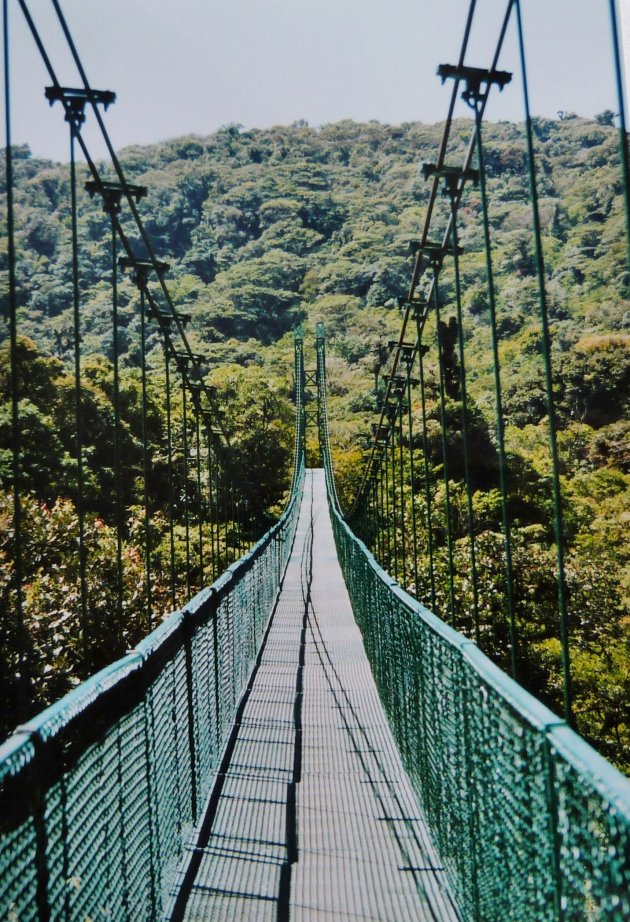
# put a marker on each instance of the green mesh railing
(530, 822)
(100, 793)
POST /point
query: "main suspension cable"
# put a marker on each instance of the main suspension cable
(546, 351)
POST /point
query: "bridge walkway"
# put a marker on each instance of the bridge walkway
(312, 816)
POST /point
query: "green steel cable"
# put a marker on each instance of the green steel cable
(374, 513)
(412, 476)
(391, 563)
(368, 523)
(217, 509)
(373, 519)
(145, 452)
(403, 539)
(436, 265)
(186, 472)
(383, 507)
(623, 133)
(217, 513)
(551, 411)
(228, 537)
(378, 499)
(22, 665)
(221, 517)
(211, 505)
(378, 494)
(169, 466)
(425, 452)
(392, 445)
(117, 431)
(395, 496)
(199, 495)
(78, 406)
(233, 537)
(474, 578)
(509, 582)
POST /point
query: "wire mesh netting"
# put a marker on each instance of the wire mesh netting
(100, 793)
(530, 822)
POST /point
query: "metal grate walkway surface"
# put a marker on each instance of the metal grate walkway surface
(312, 816)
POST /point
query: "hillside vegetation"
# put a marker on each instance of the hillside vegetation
(267, 229)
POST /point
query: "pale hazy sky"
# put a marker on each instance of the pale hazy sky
(194, 65)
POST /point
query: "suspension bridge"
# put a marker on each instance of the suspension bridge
(303, 737)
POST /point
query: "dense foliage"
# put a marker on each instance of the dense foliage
(264, 229)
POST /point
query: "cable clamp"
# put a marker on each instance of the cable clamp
(478, 81)
(74, 101)
(453, 178)
(113, 192)
(142, 268)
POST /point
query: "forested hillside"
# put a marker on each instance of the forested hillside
(266, 229)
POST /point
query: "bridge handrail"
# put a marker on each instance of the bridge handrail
(100, 792)
(530, 822)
